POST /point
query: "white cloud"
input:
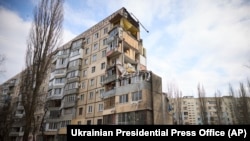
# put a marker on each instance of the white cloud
(188, 41)
(13, 35)
(211, 46)
(68, 36)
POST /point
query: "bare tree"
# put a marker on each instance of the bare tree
(175, 96)
(234, 105)
(45, 35)
(218, 104)
(243, 104)
(202, 105)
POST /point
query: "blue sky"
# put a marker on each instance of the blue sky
(189, 41)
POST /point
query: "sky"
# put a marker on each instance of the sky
(189, 42)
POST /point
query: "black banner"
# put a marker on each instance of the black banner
(241, 132)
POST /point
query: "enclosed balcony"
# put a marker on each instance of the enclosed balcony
(114, 51)
(71, 91)
(109, 79)
(109, 93)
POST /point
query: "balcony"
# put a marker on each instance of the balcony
(18, 115)
(73, 79)
(68, 104)
(11, 84)
(71, 91)
(109, 79)
(130, 41)
(71, 68)
(14, 133)
(54, 97)
(20, 107)
(108, 111)
(109, 93)
(114, 51)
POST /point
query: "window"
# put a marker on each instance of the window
(62, 61)
(57, 91)
(69, 98)
(94, 58)
(75, 52)
(87, 40)
(72, 74)
(102, 78)
(95, 46)
(52, 125)
(99, 121)
(104, 42)
(80, 111)
(104, 53)
(96, 35)
(82, 97)
(88, 122)
(72, 85)
(59, 80)
(105, 30)
(74, 63)
(77, 44)
(54, 114)
(123, 98)
(109, 102)
(79, 122)
(83, 85)
(100, 107)
(91, 95)
(101, 92)
(93, 69)
(84, 73)
(138, 117)
(92, 81)
(137, 96)
(87, 51)
(89, 109)
(103, 65)
(65, 123)
(86, 61)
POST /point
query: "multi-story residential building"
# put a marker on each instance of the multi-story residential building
(220, 110)
(12, 111)
(100, 77)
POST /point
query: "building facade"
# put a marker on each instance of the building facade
(101, 77)
(225, 110)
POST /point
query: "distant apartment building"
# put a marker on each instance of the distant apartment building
(101, 77)
(220, 110)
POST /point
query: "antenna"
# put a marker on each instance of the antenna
(139, 22)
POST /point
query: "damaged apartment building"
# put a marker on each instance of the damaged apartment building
(101, 77)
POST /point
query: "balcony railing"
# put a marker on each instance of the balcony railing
(15, 133)
(71, 91)
(109, 93)
(109, 79)
(114, 51)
